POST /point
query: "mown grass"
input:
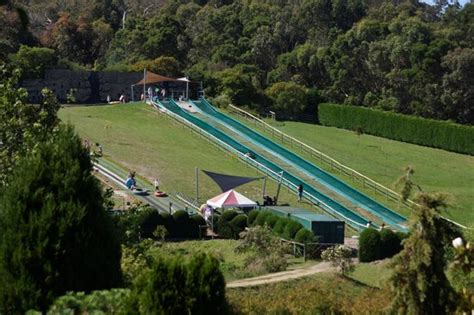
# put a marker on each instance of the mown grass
(141, 139)
(324, 293)
(384, 160)
(374, 274)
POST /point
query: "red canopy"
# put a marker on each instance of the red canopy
(231, 199)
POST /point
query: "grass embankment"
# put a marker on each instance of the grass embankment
(324, 293)
(232, 263)
(384, 161)
(141, 139)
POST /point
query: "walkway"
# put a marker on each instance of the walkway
(281, 276)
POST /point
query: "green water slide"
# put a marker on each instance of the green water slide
(330, 182)
(353, 219)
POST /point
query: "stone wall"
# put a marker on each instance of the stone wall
(90, 86)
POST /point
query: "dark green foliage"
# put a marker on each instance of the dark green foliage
(147, 220)
(174, 287)
(438, 134)
(205, 285)
(390, 243)
(239, 223)
(280, 225)
(182, 224)
(198, 226)
(252, 215)
(271, 220)
(369, 245)
(112, 301)
(261, 217)
(56, 236)
(228, 215)
(168, 221)
(33, 60)
(305, 236)
(291, 229)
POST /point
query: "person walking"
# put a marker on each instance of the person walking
(300, 192)
(156, 183)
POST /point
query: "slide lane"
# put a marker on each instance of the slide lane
(334, 184)
(339, 210)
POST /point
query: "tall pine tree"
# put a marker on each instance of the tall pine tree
(55, 234)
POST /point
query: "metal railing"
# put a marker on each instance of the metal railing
(323, 158)
(334, 165)
(260, 167)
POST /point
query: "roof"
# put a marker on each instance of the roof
(151, 78)
(230, 199)
(303, 214)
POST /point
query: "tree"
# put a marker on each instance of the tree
(340, 257)
(56, 236)
(419, 284)
(22, 126)
(288, 97)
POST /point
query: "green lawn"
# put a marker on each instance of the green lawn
(384, 160)
(374, 274)
(142, 139)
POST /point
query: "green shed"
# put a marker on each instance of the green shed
(327, 229)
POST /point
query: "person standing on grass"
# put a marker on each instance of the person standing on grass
(300, 192)
(157, 184)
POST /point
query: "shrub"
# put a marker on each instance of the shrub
(271, 220)
(340, 257)
(391, 243)
(224, 228)
(181, 223)
(228, 215)
(198, 226)
(239, 223)
(168, 222)
(305, 236)
(280, 225)
(369, 245)
(439, 134)
(261, 217)
(146, 222)
(175, 287)
(291, 228)
(251, 217)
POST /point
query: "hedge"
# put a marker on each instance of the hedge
(251, 217)
(261, 217)
(305, 236)
(433, 133)
(280, 226)
(374, 245)
(271, 220)
(239, 223)
(291, 228)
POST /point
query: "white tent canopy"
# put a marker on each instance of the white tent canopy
(231, 199)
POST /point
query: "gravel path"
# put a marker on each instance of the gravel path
(281, 276)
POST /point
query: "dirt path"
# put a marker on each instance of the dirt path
(281, 276)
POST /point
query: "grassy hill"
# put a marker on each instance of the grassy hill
(142, 139)
(384, 160)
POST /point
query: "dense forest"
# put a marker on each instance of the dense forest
(288, 55)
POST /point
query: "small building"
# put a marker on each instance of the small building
(327, 229)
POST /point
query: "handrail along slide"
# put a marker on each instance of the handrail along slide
(334, 164)
(262, 168)
(324, 158)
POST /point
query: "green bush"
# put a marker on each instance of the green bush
(168, 222)
(291, 229)
(228, 215)
(176, 287)
(239, 223)
(261, 217)
(271, 220)
(391, 243)
(197, 226)
(251, 217)
(147, 220)
(280, 226)
(305, 236)
(369, 245)
(181, 223)
(439, 134)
